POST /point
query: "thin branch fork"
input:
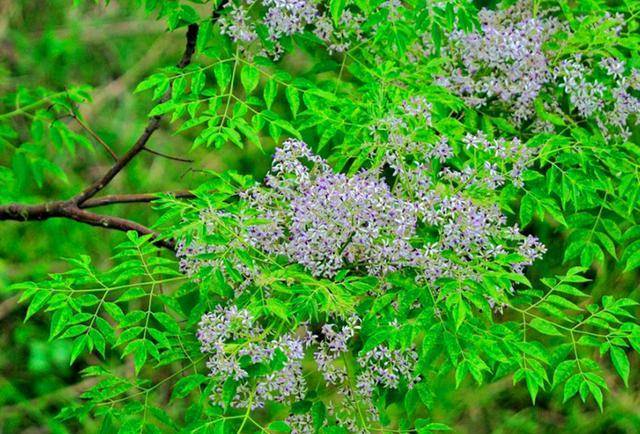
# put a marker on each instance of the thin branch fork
(152, 126)
(74, 208)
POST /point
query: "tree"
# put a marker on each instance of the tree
(449, 194)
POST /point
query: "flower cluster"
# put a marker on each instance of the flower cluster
(300, 423)
(339, 38)
(504, 60)
(418, 106)
(329, 220)
(237, 24)
(430, 218)
(332, 347)
(513, 155)
(385, 367)
(451, 202)
(242, 19)
(586, 96)
(610, 99)
(190, 256)
(235, 342)
(380, 367)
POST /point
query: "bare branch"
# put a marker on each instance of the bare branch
(132, 198)
(192, 37)
(93, 134)
(152, 126)
(98, 185)
(170, 157)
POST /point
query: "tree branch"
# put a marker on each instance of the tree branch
(98, 185)
(73, 208)
(69, 210)
(169, 157)
(152, 126)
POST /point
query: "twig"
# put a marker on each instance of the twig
(132, 198)
(217, 11)
(98, 185)
(170, 157)
(93, 134)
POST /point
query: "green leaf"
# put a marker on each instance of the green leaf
(545, 327)
(270, 92)
(546, 116)
(563, 372)
(568, 289)
(287, 127)
(426, 394)
(410, 401)
(279, 426)
(621, 363)
(293, 98)
(562, 302)
(612, 228)
(132, 294)
(168, 322)
(607, 244)
(222, 72)
(59, 321)
(596, 392)
(533, 384)
(185, 385)
(139, 350)
(633, 262)
(204, 34)
(74, 331)
(278, 308)
(318, 414)
(178, 88)
(78, 347)
(527, 208)
(249, 77)
(249, 132)
(571, 387)
(198, 82)
(151, 82)
(37, 303)
(162, 108)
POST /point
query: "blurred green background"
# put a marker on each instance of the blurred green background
(55, 45)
